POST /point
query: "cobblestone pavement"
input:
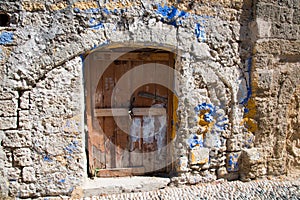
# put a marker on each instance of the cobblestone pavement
(261, 189)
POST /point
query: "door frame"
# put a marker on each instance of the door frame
(90, 115)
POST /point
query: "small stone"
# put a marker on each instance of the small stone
(221, 172)
(8, 108)
(199, 155)
(13, 174)
(17, 139)
(8, 123)
(22, 157)
(28, 174)
(183, 164)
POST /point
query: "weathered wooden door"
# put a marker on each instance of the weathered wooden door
(133, 129)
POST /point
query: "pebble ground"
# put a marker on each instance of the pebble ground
(261, 189)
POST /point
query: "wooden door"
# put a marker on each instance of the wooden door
(134, 132)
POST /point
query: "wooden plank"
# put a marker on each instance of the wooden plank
(119, 172)
(122, 122)
(109, 125)
(149, 144)
(172, 105)
(134, 56)
(98, 136)
(124, 112)
(136, 155)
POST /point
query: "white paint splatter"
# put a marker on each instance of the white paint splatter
(148, 129)
(160, 135)
(135, 129)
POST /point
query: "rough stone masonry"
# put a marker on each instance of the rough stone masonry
(238, 112)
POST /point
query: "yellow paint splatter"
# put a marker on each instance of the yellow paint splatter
(250, 124)
(175, 106)
(204, 125)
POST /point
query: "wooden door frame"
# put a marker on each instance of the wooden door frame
(90, 115)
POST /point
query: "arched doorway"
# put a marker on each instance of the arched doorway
(130, 111)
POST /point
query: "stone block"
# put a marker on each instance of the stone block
(221, 172)
(275, 14)
(201, 50)
(17, 139)
(25, 120)
(264, 80)
(8, 108)
(235, 143)
(199, 155)
(263, 11)
(27, 190)
(14, 188)
(33, 6)
(232, 176)
(28, 174)
(8, 95)
(22, 157)
(253, 164)
(260, 29)
(276, 167)
(296, 16)
(251, 156)
(24, 100)
(290, 31)
(182, 165)
(233, 161)
(8, 123)
(12, 173)
(286, 15)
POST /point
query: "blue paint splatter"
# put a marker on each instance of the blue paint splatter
(97, 26)
(200, 32)
(72, 147)
(62, 181)
(217, 120)
(164, 11)
(106, 11)
(88, 11)
(92, 10)
(233, 163)
(76, 10)
(194, 141)
(170, 15)
(183, 14)
(6, 38)
(47, 158)
(208, 117)
(173, 13)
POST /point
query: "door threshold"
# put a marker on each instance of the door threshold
(120, 172)
(105, 186)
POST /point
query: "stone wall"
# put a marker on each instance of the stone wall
(237, 106)
(275, 87)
